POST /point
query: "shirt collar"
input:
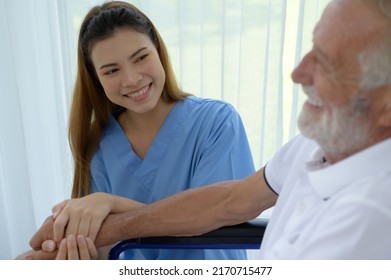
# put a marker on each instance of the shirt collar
(329, 179)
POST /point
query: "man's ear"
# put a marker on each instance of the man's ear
(385, 118)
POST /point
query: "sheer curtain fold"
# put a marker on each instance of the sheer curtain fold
(12, 153)
(33, 121)
(240, 51)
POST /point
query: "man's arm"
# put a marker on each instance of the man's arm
(193, 211)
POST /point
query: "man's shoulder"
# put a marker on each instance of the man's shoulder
(300, 144)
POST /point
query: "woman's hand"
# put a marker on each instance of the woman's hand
(84, 216)
(81, 216)
(77, 248)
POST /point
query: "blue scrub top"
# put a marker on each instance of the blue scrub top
(202, 141)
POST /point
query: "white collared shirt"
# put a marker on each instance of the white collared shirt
(338, 211)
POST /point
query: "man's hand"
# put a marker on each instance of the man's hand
(43, 234)
(37, 255)
(71, 248)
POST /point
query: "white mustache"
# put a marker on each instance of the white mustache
(313, 98)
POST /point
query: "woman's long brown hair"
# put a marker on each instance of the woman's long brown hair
(90, 109)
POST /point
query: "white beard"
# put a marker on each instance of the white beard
(341, 133)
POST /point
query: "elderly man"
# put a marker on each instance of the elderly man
(331, 186)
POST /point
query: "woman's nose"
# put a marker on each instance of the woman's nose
(303, 73)
(131, 77)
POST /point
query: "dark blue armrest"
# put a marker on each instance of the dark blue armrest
(247, 235)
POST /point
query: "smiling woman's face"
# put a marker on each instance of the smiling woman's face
(129, 69)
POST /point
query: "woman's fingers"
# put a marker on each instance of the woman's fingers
(56, 210)
(60, 225)
(92, 249)
(68, 249)
(73, 250)
(77, 248)
(87, 249)
(83, 249)
(62, 250)
(83, 226)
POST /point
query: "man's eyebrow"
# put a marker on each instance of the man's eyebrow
(130, 57)
(319, 54)
(322, 56)
(324, 60)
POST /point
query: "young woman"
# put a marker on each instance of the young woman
(136, 135)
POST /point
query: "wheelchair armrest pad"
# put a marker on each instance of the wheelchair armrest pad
(246, 235)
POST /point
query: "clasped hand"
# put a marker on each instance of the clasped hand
(72, 229)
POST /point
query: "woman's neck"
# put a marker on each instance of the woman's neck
(141, 129)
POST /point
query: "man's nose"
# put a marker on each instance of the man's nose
(303, 73)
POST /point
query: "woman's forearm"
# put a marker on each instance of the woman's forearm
(122, 204)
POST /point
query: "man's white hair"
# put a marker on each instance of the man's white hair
(376, 61)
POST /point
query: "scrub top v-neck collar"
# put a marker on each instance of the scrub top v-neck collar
(145, 170)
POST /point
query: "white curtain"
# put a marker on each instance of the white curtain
(241, 51)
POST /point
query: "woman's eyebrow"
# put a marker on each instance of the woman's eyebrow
(130, 57)
(137, 52)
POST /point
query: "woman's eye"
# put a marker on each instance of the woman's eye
(112, 71)
(141, 58)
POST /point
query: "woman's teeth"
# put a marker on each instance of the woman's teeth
(138, 93)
